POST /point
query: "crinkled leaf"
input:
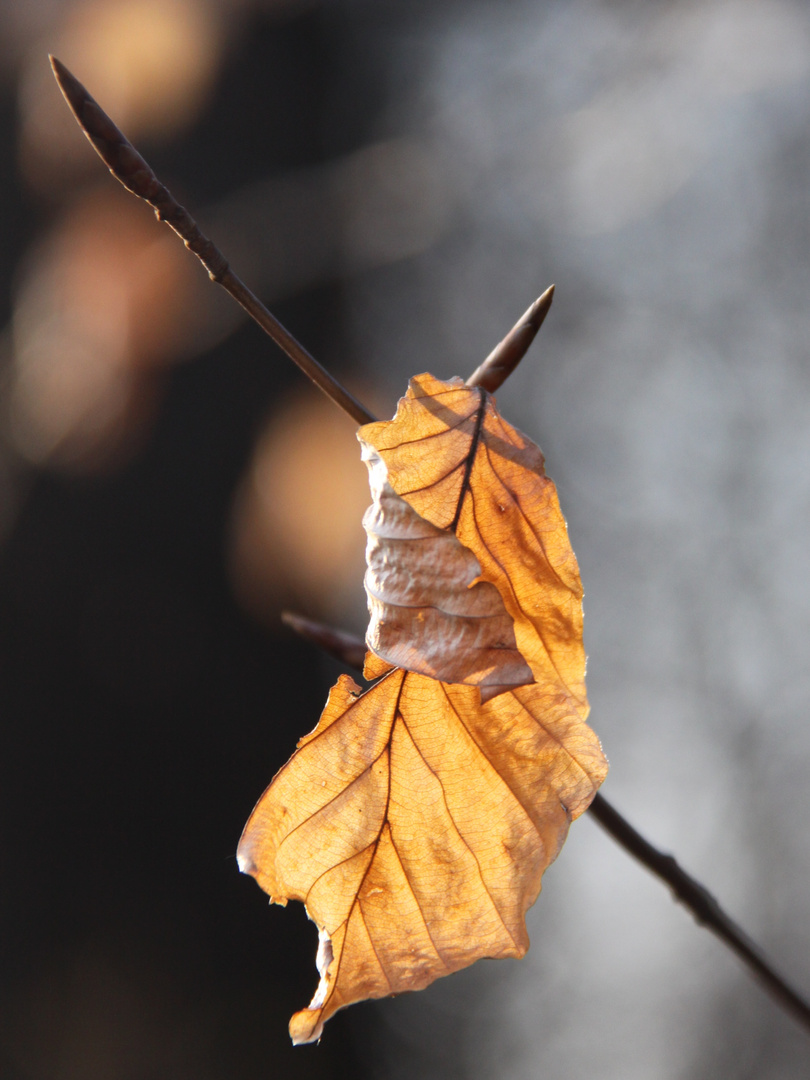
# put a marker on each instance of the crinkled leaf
(426, 615)
(450, 455)
(415, 824)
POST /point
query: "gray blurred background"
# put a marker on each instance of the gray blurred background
(399, 180)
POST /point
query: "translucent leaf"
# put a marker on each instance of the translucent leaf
(453, 458)
(415, 824)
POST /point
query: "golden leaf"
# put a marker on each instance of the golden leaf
(450, 455)
(415, 822)
(426, 615)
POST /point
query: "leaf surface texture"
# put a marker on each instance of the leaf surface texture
(415, 822)
(460, 465)
(426, 615)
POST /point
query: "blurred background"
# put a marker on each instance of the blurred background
(399, 180)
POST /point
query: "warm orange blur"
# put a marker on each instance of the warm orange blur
(151, 63)
(96, 313)
(297, 533)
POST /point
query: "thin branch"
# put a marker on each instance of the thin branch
(127, 165)
(345, 648)
(702, 904)
(506, 356)
(707, 912)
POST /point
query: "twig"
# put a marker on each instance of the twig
(702, 904)
(707, 912)
(127, 165)
(506, 356)
(346, 648)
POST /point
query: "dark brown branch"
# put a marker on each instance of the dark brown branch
(707, 912)
(127, 165)
(506, 356)
(702, 904)
(345, 648)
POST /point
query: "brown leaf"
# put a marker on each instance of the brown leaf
(462, 467)
(415, 824)
(426, 614)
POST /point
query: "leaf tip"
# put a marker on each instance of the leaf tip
(306, 1026)
(244, 857)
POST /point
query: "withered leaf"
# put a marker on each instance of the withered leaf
(415, 824)
(451, 455)
(426, 615)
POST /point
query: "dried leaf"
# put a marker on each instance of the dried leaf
(452, 457)
(415, 824)
(426, 614)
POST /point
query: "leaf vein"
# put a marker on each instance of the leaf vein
(459, 833)
(518, 602)
(489, 762)
(433, 483)
(516, 500)
(426, 438)
(436, 948)
(362, 915)
(470, 458)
